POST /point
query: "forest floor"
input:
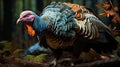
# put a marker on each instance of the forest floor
(37, 61)
(10, 58)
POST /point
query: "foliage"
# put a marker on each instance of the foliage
(118, 39)
(110, 10)
(29, 57)
(17, 52)
(38, 58)
(7, 46)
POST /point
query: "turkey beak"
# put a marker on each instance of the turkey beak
(18, 21)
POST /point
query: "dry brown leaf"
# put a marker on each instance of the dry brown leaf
(116, 19)
(108, 13)
(116, 8)
(104, 14)
(111, 12)
(106, 5)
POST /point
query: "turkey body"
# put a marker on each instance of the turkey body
(75, 28)
(69, 27)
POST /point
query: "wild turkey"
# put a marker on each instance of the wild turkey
(69, 27)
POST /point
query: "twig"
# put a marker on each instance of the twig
(114, 62)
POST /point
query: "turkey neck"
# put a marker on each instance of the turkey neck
(39, 24)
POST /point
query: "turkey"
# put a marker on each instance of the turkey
(69, 27)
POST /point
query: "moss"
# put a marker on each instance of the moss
(40, 58)
(17, 52)
(118, 39)
(29, 57)
(116, 51)
(6, 45)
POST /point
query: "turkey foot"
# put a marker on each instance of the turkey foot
(53, 63)
(66, 62)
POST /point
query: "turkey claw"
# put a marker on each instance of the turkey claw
(66, 61)
(53, 63)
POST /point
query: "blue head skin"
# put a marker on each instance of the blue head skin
(32, 22)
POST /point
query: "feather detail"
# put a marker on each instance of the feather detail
(56, 42)
(72, 22)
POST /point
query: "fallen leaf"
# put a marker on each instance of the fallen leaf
(108, 13)
(116, 19)
(106, 5)
(116, 8)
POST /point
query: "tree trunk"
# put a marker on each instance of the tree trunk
(39, 6)
(1, 19)
(8, 14)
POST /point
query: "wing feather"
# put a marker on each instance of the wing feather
(91, 26)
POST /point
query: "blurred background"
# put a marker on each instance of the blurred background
(16, 36)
